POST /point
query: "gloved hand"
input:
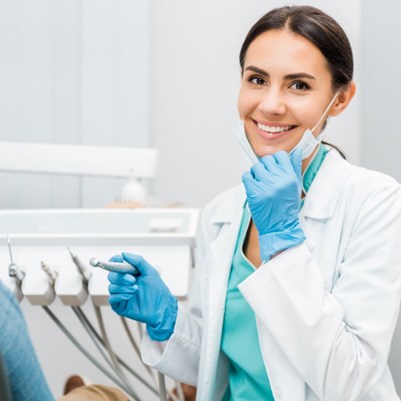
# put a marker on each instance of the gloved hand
(143, 297)
(273, 188)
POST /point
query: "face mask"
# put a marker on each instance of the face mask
(307, 143)
(250, 155)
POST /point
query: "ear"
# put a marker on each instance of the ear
(343, 99)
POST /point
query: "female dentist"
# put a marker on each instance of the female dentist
(298, 271)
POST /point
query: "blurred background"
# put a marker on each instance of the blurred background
(166, 75)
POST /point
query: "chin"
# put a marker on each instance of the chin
(267, 150)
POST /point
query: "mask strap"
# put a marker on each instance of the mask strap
(327, 109)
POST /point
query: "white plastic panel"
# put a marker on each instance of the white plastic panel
(165, 238)
(99, 226)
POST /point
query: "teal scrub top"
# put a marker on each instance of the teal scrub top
(248, 379)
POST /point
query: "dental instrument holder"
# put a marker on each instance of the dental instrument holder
(16, 275)
(38, 288)
(135, 164)
(81, 267)
(72, 285)
(165, 237)
(70, 288)
(51, 273)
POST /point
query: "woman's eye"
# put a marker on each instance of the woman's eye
(256, 80)
(300, 86)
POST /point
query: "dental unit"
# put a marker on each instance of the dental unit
(54, 247)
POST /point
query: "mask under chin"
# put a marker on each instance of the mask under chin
(307, 144)
(246, 147)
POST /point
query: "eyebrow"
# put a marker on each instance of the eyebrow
(296, 75)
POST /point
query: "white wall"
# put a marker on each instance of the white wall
(380, 92)
(77, 72)
(96, 72)
(381, 86)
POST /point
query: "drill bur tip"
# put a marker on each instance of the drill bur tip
(93, 262)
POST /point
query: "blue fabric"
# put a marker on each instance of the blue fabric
(313, 167)
(248, 379)
(24, 373)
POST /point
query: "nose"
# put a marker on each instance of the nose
(272, 102)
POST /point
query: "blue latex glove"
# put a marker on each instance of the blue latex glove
(143, 297)
(273, 188)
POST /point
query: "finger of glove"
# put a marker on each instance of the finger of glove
(249, 182)
(121, 278)
(116, 299)
(259, 172)
(283, 160)
(270, 164)
(139, 262)
(247, 177)
(116, 258)
(122, 289)
(296, 161)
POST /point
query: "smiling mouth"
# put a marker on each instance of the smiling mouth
(274, 129)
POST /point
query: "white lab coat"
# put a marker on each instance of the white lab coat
(326, 309)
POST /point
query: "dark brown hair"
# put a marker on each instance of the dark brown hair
(317, 27)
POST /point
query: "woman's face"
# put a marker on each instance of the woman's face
(285, 89)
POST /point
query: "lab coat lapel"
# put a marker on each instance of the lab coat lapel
(322, 197)
(321, 206)
(228, 218)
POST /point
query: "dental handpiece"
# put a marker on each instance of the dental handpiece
(51, 273)
(120, 267)
(82, 269)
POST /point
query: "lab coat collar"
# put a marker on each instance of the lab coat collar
(325, 190)
(228, 209)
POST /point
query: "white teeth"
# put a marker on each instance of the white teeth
(273, 129)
